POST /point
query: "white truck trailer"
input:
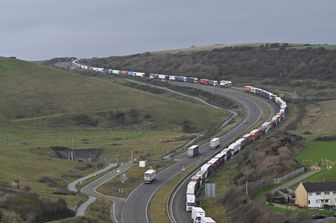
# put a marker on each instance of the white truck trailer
(207, 220)
(193, 151)
(149, 176)
(196, 214)
(191, 188)
(214, 143)
(190, 201)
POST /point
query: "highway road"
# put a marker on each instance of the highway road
(135, 208)
(177, 202)
(90, 189)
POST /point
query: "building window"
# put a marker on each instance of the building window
(310, 194)
(326, 193)
(318, 193)
(308, 201)
(334, 192)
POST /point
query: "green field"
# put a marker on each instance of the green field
(318, 152)
(42, 107)
(282, 209)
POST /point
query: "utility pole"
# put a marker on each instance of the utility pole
(246, 188)
(71, 154)
(132, 158)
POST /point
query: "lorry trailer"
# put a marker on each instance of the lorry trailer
(149, 176)
(214, 143)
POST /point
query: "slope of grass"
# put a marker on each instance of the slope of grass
(317, 152)
(42, 107)
(34, 94)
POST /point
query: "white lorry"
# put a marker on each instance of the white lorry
(193, 151)
(214, 143)
(207, 220)
(149, 176)
(191, 188)
(190, 201)
(196, 214)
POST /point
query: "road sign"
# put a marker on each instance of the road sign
(210, 190)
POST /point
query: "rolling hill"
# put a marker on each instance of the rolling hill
(42, 107)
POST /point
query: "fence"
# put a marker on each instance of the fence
(291, 174)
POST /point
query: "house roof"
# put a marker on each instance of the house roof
(320, 186)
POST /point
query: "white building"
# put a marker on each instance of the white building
(316, 194)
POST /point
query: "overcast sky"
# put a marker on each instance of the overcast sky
(43, 29)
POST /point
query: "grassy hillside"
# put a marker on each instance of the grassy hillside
(42, 107)
(39, 95)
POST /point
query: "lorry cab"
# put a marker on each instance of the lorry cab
(190, 202)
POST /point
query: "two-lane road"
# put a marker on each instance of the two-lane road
(177, 203)
(135, 209)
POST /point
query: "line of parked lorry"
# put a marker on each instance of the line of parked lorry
(197, 180)
(152, 76)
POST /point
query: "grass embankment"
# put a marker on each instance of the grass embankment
(250, 167)
(158, 204)
(98, 212)
(319, 127)
(116, 188)
(43, 107)
(283, 209)
(214, 206)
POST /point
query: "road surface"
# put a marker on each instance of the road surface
(177, 202)
(135, 208)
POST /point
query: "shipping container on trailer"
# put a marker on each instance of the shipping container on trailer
(193, 151)
(214, 143)
(131, 74)
(214, 162)
(228, 153)
(196, 214)
(225, 84)
(117, 72)
(139, 74)
(248, 89)
(203, 174)
(179, 78)
(190, 80)
(172, 78)
(255, 134)
(267, 126)
(149, 176)
(234, 147)
(190, 201)
(123, 72)
(281, 115)
(221, 157)
(257, 91)
(248, 138)
(204, 81)
(192, 188)
(196, 178)
(153, 76)
(163, 76)
(273, 123)
(242, 142)
(207, 220)
(207, 168)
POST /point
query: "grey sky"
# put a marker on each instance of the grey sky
(42, 29)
